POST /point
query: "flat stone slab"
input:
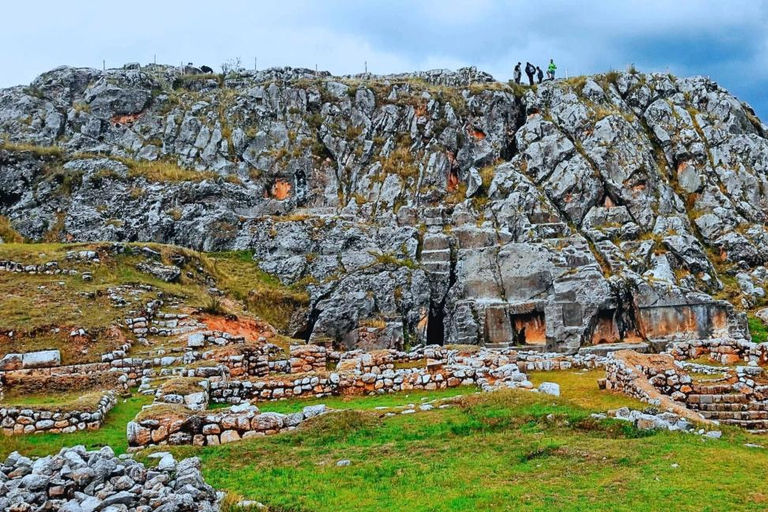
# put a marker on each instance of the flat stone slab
(41, 359)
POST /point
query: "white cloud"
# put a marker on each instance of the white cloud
(689, 36)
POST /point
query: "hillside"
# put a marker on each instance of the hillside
(430, 207)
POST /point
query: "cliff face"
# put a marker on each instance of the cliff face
(439, 206)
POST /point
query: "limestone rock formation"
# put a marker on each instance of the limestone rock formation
(438, 206)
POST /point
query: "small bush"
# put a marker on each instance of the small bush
(611, 77)
(137, 193)
(214, 307)
(174, 213)
(757, 329)
(400, 162)
(81, 107)
(8, 234)
(391, 259)
(487, 173)
(577, 83)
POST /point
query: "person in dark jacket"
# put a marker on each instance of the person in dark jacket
(518, 73)
(530, 70)
(539, 74)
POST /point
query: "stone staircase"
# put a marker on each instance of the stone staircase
(719, 402)
(436, 254)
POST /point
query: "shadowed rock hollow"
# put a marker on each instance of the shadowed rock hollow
(431, 207)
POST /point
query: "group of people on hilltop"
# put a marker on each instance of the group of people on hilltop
(536, 71)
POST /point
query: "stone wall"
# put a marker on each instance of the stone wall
(721, 350)
(66, 378)
(36, 419)
(308, 358)
(51, 268)
(190, 392)
(178, 426)
(249, 360)
(343, 383)
(378, 372)
(220, 338)
(643, 376)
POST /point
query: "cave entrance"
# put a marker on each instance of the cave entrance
(609, 328)
(606, 330)
(529, 328)
(435, 328)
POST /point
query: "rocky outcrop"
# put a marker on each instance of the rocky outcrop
(433, 207)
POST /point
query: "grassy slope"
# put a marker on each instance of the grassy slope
(41, 301)
(503, 451)
(262, 294)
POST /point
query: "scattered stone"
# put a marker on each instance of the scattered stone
(103, 482)
(549, 388)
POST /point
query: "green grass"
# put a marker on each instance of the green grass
(67, 401)
(705, 360)
(361, 402)
(501, 451)
(580, 387)
(112, 433)
(757, 329)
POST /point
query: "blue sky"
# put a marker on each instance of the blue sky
(726, 40)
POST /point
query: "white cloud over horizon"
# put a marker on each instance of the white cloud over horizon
(726, 40)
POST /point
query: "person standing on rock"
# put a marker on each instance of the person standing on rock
(539, 74)
(518, 73)
(530, 70)
(551, 69)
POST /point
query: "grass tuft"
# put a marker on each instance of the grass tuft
(166, 172)
(7, 234)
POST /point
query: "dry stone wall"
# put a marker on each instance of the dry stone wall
(644, 376)
(31, 420)
(66, 378)
(307, 358)
(178, 427)
(722, 350)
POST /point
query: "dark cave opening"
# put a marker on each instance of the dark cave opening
(435, 327)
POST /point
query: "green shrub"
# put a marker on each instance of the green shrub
(757, 329)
